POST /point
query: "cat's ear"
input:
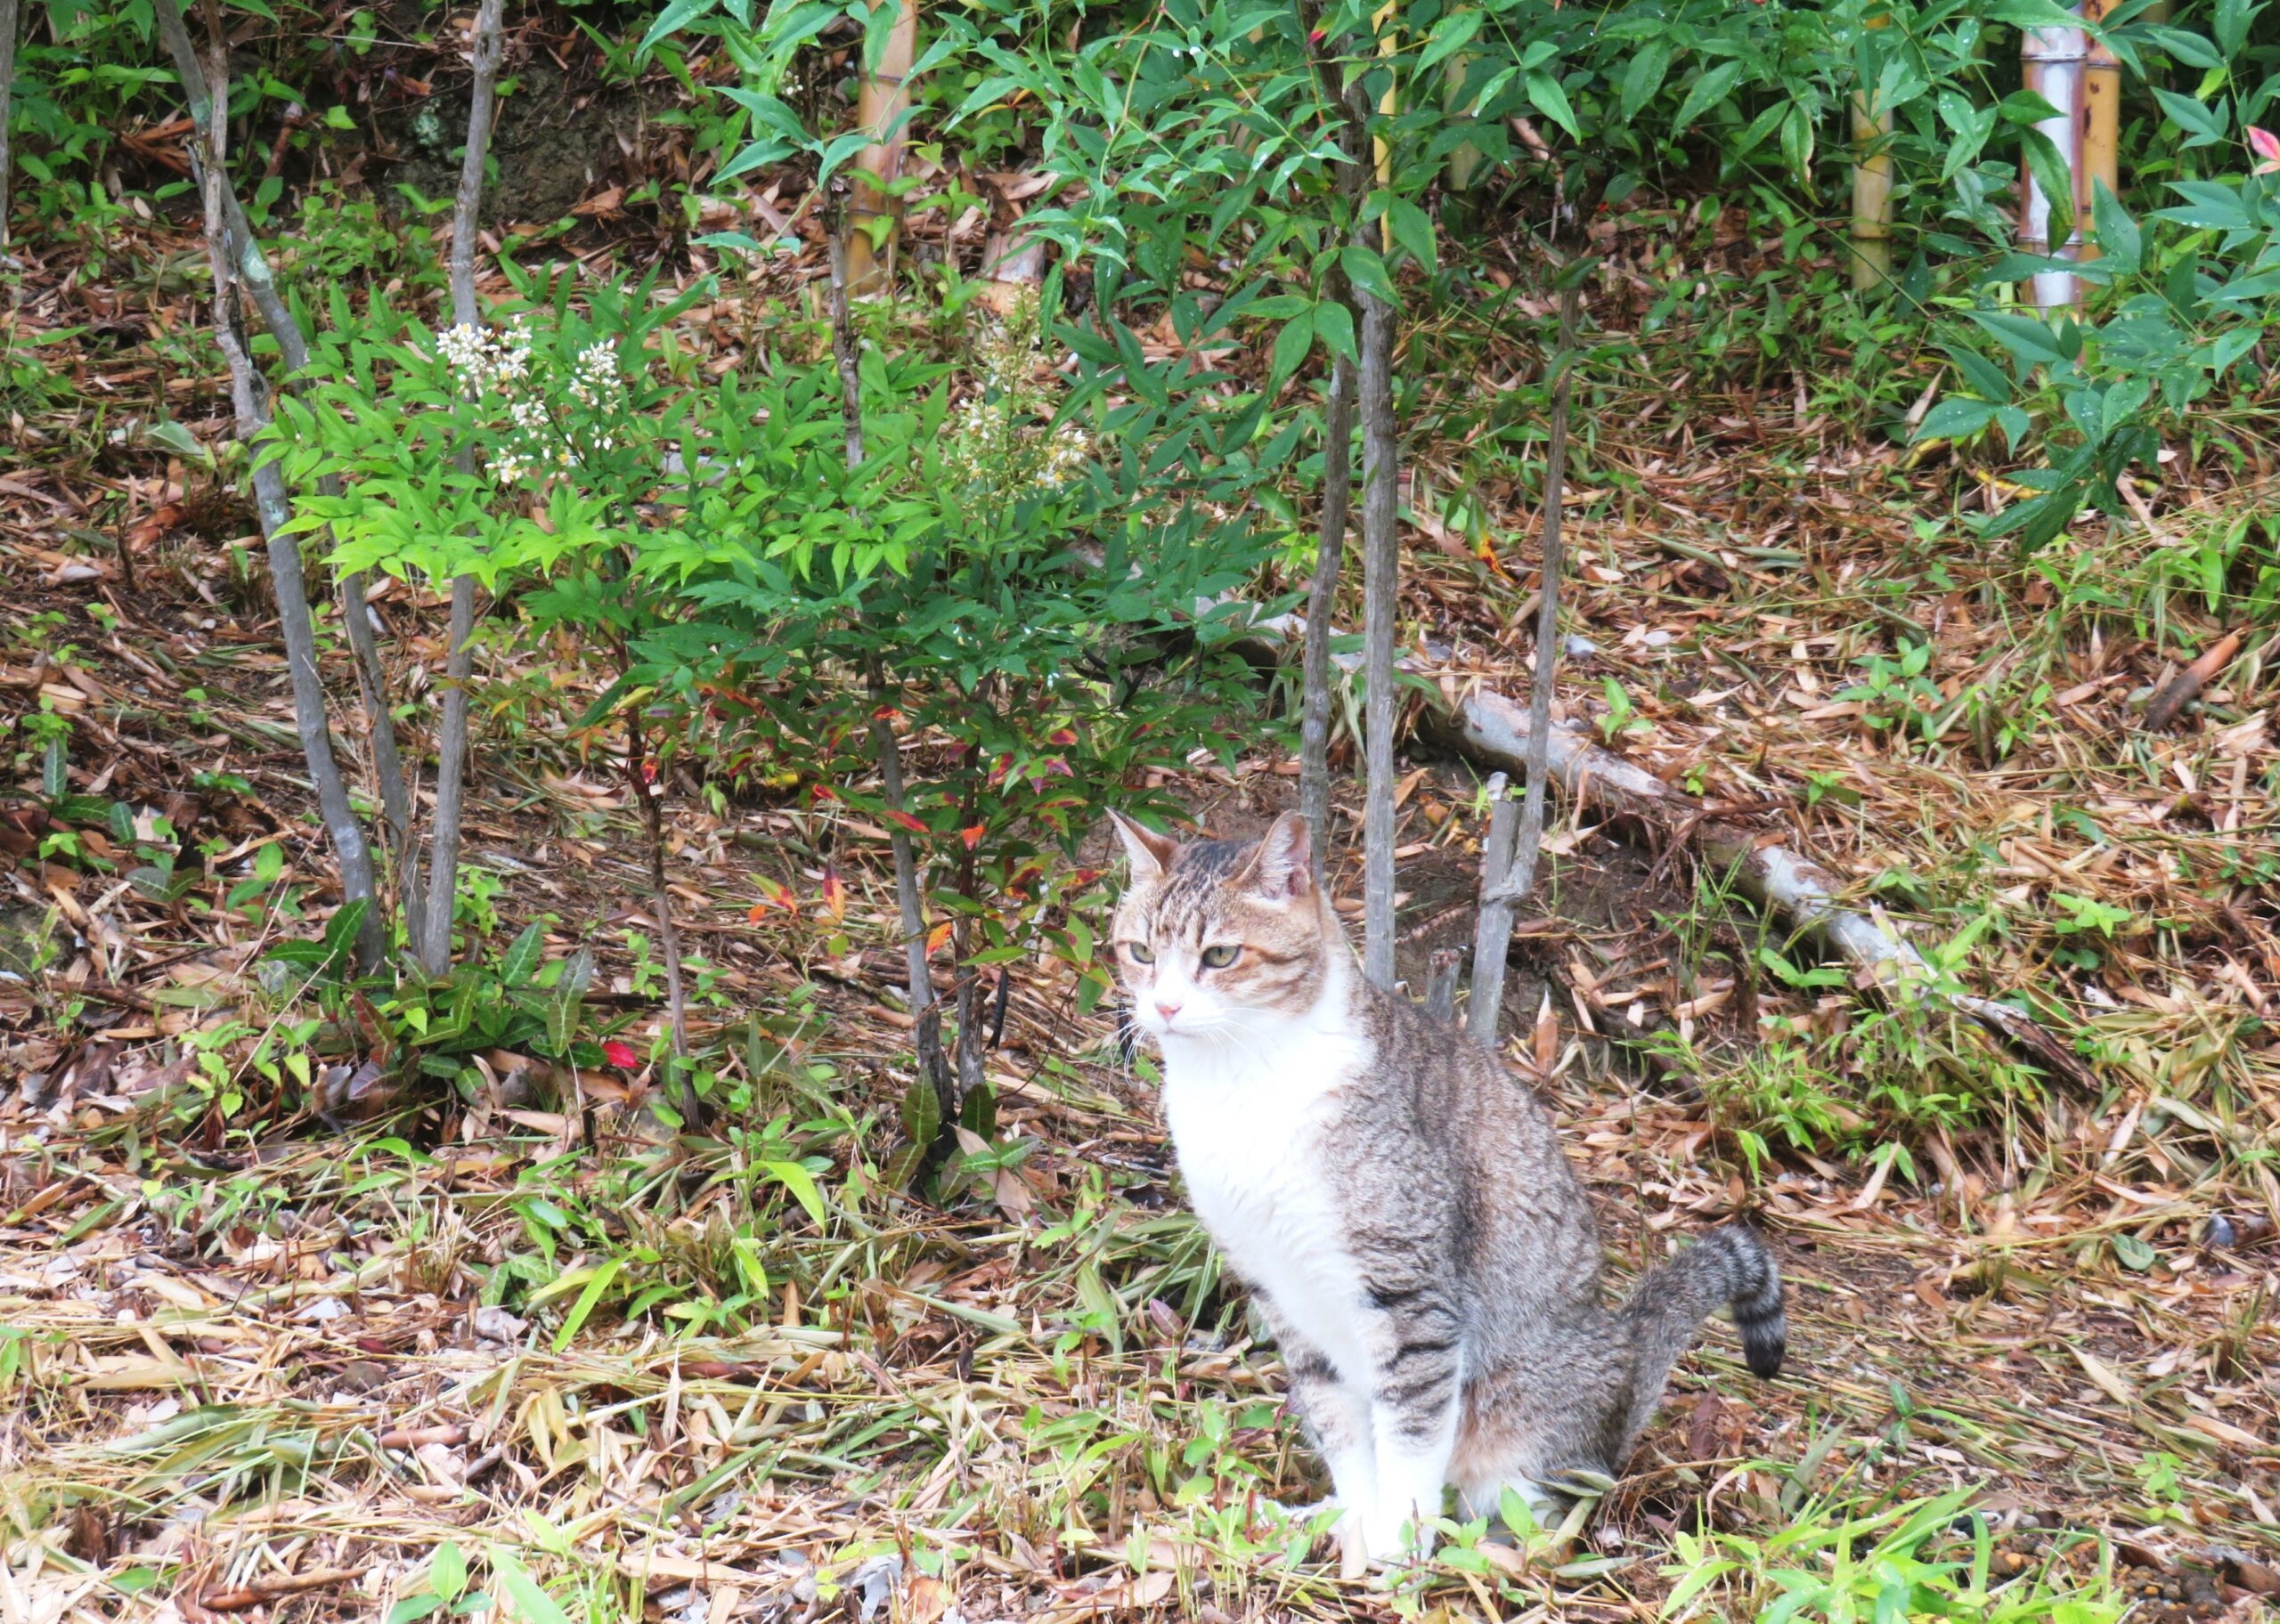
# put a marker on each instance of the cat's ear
(1280, 864)
(1151, 853)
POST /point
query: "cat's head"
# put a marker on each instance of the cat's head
(1221, 936)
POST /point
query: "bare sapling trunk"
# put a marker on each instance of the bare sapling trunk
(918, 979)
(1521, 881)
(434, 940)
(880, 108)
(1342, 102)
(1380, 602)
(254, 278)
(208, 88)
(10, 12)
(1321, 605)
(1491, 935)
(647, 781)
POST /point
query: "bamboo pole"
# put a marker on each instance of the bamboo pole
(2053, 63)
(879, 111)
(1871, 185)
(2101, 152)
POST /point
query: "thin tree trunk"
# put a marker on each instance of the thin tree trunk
(254, 276)
(1521, 881)
(1322, 604)
(918, 979)
(879, 108)
(649, 790)
(434, 946)
(9, 18)
(208, 88)
(1491, 935)
(1344, 102)
(1380, 602)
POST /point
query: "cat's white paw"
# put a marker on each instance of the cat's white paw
(1390, 1538)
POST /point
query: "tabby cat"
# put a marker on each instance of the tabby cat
(1416, 1239)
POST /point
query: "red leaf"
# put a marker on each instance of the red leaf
(1063, 737)
(906, 821)
(2266, 146)
(972, 836)
(834, 894)
(621, 1054)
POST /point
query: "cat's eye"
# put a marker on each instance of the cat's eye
(1221, 957)
(1142, 954)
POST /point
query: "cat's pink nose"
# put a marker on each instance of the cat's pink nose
(1168, 1007)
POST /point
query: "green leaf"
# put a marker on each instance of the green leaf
(522, 956)
(2211, 205)
(801, 1183)
(1450, 35)
(1290, 347)
(1706, 93)
(2133, 1253)
(1334, 326)
(447, 1570)
(2049, 168)
(532, 1605)
(1954, 418)
(1552, 102)
(1366, 268)
(2206, 125)
(603, 1279)
(2119, 239)
(2029, 340)
(1413, 229)
(1644, 77)
(671, 21)
(412, 1608)
(922, 1112)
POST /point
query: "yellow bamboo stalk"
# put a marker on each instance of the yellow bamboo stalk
(2101, 141)
(884, 99)
(2053, 63)
(1871, 186)
(1389, 39)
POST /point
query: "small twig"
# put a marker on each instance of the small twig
(640, 772)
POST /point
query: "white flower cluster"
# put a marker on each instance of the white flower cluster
(996, 445)
(499, 368)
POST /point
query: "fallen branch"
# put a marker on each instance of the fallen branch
(1491, 731)
(2184, 688)
(277, 1587)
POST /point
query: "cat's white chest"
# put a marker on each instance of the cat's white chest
(1248, 1125)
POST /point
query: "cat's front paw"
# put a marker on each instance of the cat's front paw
(1387, 1538)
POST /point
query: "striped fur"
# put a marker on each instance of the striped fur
(1400, 1204)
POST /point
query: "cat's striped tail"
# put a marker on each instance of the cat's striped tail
(1727, 1268)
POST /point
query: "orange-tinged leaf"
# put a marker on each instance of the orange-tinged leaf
(938, 936)
(972, 835)
(906, 821)
(834, 893)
